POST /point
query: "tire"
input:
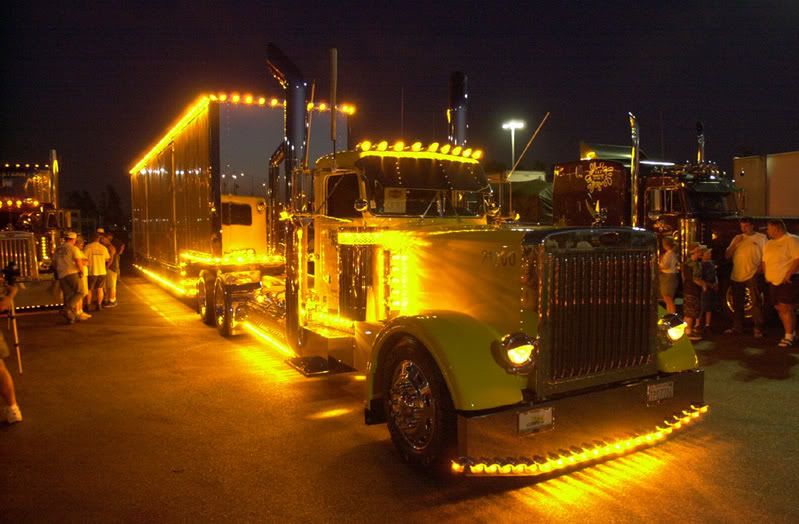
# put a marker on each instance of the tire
(418, 407)
(205, 302)
(223, 314)
(729, 308)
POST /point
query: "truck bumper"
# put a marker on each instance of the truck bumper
(539, 438)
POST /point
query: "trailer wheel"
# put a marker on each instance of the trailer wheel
(223, 314)
(729, 305)
(418, 408)
(205, 302)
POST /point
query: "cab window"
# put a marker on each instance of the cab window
(236, 214)
(341, 193)
(663, 200)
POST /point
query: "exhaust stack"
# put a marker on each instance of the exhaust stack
(290, 78)
(700, 143)
(458, 125)
(634, 169)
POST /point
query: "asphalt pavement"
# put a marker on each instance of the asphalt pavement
(143, 414)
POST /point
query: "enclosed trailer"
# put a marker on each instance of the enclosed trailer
(199, 198)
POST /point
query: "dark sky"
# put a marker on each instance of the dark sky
(100, 81)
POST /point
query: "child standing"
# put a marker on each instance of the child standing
(669, 266)
(692, 289)
(710, 287)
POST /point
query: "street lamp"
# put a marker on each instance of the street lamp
(513, 125)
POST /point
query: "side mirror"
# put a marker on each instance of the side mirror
(492, 209)
(361, 205)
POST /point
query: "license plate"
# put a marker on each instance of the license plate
(535, 420)
(657, 392)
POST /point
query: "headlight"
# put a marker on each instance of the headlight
(673, 326)
(518, 352)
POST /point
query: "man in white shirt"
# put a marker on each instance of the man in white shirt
(69, 262)
(98, 258)
(746, 252)
(780, 264)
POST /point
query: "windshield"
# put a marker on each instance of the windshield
(707, 202)
(426, 202)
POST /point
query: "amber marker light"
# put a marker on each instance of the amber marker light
(445, 149)
(417, 146)
(273, 102)
(382, 146)
(576, 456)
(399, 146)
(235, 98)
(366, 145)
(467, 152)
(456, 150)
(477, 154)
(261, 100)
(432, 148)
(248, 99)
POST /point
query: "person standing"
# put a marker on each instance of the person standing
(11, 411)
(98, 259)
(691, 291)
(115, 249)
(669, 266)
(710, 286)
(780, 264)
(69, 262)
(746, 252)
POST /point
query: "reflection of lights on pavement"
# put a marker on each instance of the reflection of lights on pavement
(267, 364)
(359, 378)
(330, 413)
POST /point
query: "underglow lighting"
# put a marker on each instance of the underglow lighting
(330, 413)
(579, 455)
(265, 337)
(231, 259)
(163, 281)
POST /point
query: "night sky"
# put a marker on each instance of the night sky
(100, 81)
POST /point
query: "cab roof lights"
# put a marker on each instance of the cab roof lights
(418, 150)
(201, 103)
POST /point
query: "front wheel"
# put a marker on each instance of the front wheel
(418, 407)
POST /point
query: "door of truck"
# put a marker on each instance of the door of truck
(243, 225)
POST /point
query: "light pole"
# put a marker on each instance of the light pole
(511, 125)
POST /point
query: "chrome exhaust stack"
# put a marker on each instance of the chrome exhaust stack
(700, 143)
(458, 125)
(635, 165)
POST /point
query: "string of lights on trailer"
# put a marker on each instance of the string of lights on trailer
(202, 103)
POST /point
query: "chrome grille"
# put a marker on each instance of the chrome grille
(21, 248)
(601, 311)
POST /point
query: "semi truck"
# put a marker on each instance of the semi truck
(486, 348)
(689, 202)
(31, 225)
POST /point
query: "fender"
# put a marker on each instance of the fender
(461, 346)
(679, 357)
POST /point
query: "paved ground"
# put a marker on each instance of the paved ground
(144, 414)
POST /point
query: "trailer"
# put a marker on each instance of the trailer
(769, 183)
(201, 197)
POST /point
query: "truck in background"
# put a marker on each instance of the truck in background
(31, 225)
(201, 196)
(769, 184)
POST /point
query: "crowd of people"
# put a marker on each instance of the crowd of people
(88, 273)
(754, 257)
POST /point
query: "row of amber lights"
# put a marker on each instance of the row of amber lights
(199, 106)
(580, 456)
(249, 99)
(165, 282)
(24, 165)
(227, 260)
(417, 147)
(10, 203)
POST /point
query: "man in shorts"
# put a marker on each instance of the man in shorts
(780, 264)
(746, 252)
(69, 262)
(98, 258)
(116, 249)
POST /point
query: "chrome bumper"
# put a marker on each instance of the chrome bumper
(539, 438)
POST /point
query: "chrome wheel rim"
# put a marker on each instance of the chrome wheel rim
(412, 405)
(747, 302)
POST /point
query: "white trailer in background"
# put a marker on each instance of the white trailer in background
(769, 184)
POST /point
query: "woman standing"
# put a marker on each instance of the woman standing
(669, 265)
